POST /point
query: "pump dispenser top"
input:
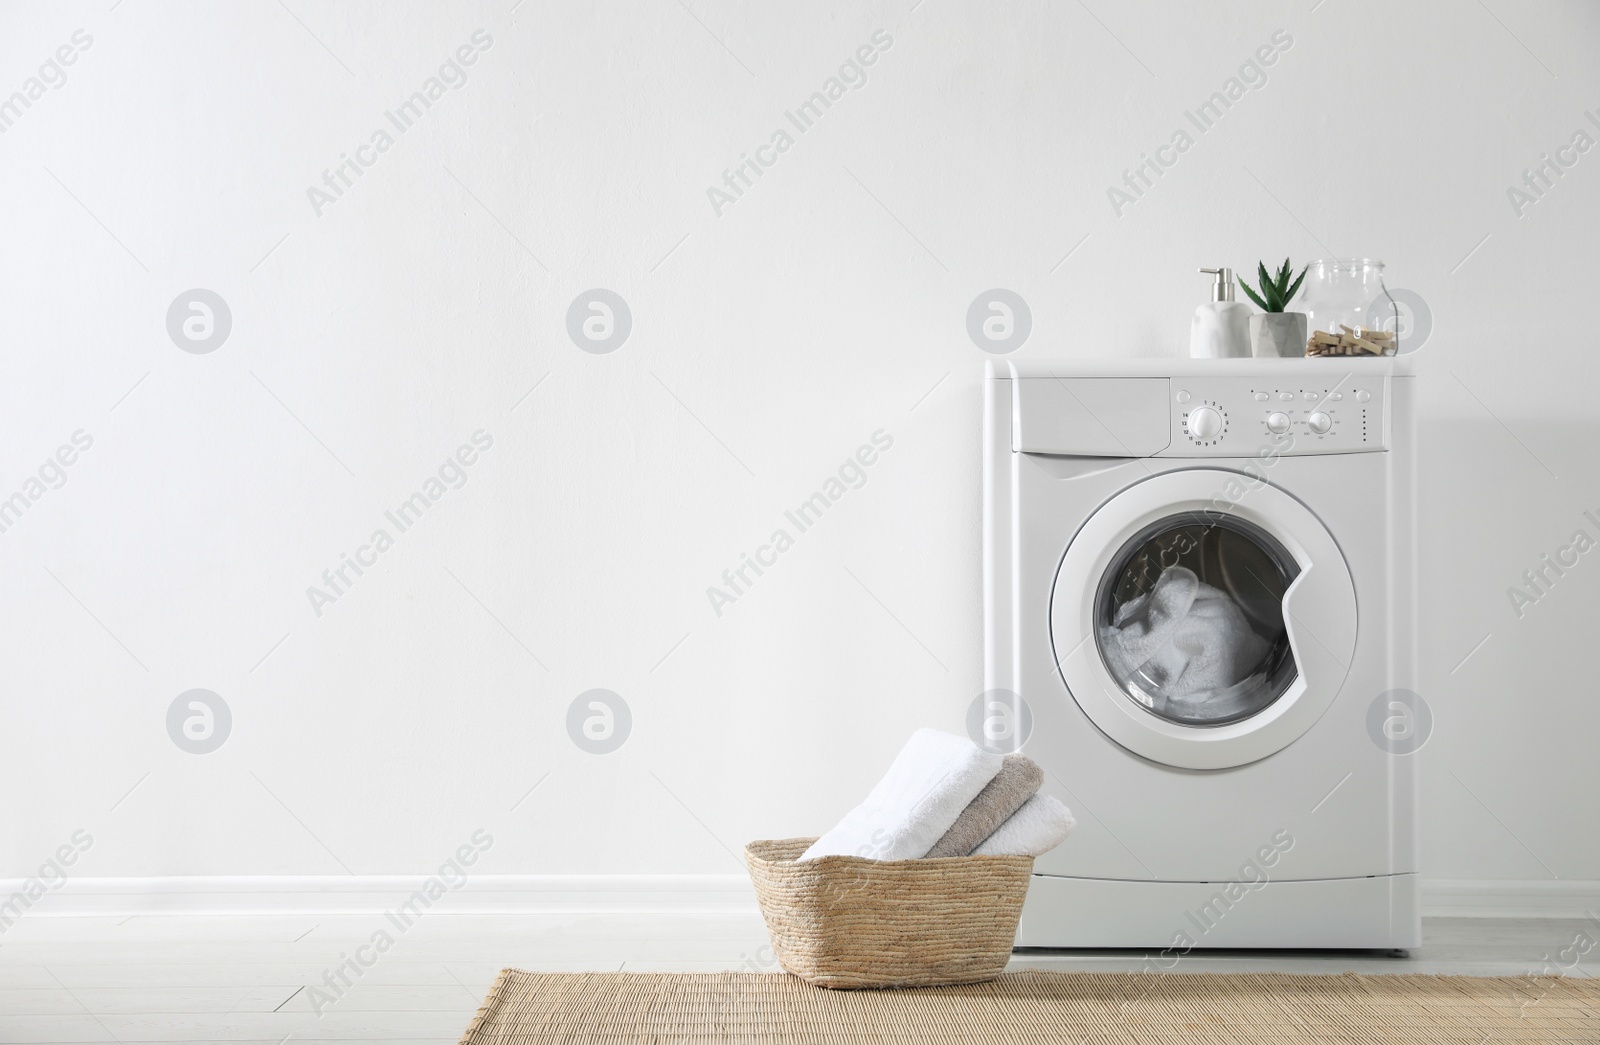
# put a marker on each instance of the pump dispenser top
(1222, 289)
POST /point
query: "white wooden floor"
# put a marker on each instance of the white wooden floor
(249, 979)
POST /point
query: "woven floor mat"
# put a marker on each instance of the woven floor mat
(524, 1008)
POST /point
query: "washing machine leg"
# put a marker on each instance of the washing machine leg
(1399, 952)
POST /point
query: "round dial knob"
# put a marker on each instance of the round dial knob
(1320, 422)
(1277, 422)
(1204, 422)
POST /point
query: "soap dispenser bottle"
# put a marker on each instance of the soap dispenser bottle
(1221, 327)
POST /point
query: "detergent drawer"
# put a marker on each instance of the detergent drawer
(1090, 416)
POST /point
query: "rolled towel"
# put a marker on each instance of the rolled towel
(1038, 827)
(935, 776)
(1019, 777)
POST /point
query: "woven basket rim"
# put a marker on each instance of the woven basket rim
(758, 851)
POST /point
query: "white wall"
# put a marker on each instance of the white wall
(828, 303)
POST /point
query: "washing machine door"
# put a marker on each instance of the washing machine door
(1203, 619)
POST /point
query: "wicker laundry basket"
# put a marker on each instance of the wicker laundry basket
(842, 921)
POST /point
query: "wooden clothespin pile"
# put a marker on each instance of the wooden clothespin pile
(1351, 343)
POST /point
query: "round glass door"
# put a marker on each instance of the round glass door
(1201, 638)
(1189, 619)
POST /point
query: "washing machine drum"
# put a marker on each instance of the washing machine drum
(1202, 631)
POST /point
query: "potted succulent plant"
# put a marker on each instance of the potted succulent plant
(1275, 332)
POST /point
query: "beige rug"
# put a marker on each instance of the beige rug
(1044, 1007)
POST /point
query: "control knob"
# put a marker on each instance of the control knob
(1204, 423)
(1277, 423)
(1320, 422)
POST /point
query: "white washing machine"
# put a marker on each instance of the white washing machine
(1199, 618)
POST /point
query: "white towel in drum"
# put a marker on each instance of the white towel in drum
(1185, 636)
(930, 783)
(1038, 827)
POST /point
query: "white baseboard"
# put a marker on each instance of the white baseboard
(615, 894)
(1509, 898)
(373, 894)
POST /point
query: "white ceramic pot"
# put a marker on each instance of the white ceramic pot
(1275, 335)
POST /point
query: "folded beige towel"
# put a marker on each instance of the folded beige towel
(1018, 779)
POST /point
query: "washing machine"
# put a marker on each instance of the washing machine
(1199, 619)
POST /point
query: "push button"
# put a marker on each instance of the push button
(1261, 397)
(1286, 396)
(1184, 397)
(1335, 396)
(1363, 395)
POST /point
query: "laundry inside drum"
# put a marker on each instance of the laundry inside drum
(1189, 619)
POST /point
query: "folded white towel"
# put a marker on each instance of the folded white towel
(931, 781)
(1038, 827)
(1185, 636)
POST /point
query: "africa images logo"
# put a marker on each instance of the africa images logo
(51, 74)
(451, 475)
(852, 76)
(1252, 76)
(598, 721)
(51, 475)
(452, 75)
(852, 475)
(199, 721)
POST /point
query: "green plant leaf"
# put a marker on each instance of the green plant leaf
(1296, 288)
(1265, 283)
(1283, 275)
(1259, 303)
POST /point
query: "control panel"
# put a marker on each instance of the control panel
(1244, 417)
